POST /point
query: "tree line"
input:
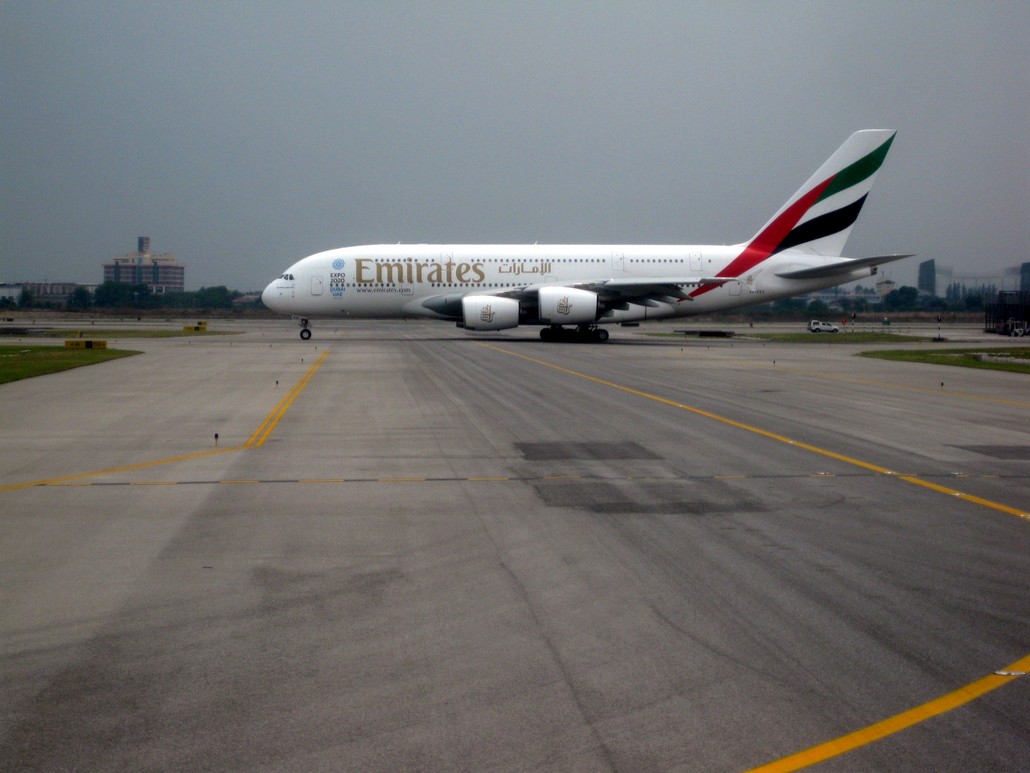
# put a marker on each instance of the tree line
(958, 299)
(122, 295)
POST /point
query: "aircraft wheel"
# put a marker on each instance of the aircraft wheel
(305, 334)
(600, 335)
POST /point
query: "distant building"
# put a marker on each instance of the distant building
(884, 286)
(1010, 315)
(1024, 278)
(40, 293)
(55, 293)
(10, 293)
(927, 282)
(161, 273)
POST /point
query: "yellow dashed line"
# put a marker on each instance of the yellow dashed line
(64, 479)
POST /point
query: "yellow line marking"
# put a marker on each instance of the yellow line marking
(64, 479)
(261, 433)
(894, 724)
(903, 387)
(864, 381)
(771, 435)
(255, 441)
(888, 726)
(967, 497)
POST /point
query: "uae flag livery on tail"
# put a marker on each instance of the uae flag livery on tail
(817, 220)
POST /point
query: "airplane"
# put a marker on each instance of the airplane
(573, 290)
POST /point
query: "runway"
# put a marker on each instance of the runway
(417, 549)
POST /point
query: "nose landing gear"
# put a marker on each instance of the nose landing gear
(305, 331)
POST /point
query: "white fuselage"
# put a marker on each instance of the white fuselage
(425, 280)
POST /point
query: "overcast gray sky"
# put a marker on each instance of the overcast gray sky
(242, 136)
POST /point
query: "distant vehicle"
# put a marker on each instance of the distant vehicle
(1016, 328)
(572, 291)
(815, 326)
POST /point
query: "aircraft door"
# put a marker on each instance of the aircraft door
(618, 261)
(695, 262)
(316, 284)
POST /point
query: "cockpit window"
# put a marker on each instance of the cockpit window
(287, 276)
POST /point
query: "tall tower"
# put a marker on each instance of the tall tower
(928, 277)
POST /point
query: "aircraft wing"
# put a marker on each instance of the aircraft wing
(841, 267)
(618, 290)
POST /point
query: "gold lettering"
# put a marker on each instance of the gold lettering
(359, 263)
(389, 273)
(368, 270)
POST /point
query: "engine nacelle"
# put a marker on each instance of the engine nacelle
(488, 312)
(567, 306)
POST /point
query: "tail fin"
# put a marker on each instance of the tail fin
(819, 217)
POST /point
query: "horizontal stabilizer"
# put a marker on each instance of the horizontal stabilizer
(841, 267)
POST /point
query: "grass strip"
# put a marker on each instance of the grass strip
(1014, 359)
(128, 332)
(18, 362)
(836, 338)
(811, 338)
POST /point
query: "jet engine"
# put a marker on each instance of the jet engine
(488, 312)
(567, 306)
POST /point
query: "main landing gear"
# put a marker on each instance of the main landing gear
(305, 331)
(581, 334)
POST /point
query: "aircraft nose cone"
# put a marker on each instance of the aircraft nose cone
(269, 296)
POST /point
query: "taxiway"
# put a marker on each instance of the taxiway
(415, 549)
